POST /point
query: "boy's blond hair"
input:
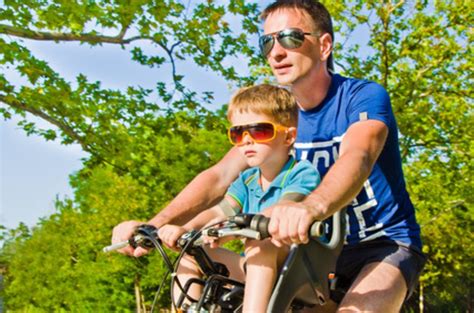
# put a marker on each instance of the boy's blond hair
(275, 102)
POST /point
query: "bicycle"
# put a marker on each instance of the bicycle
(305, 280)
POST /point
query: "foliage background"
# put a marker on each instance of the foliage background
(144, 145)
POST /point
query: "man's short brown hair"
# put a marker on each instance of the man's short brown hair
(275, 102)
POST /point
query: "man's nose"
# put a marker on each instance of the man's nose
(277, 52)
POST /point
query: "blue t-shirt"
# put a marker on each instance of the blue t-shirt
(295, 177)
(383, 208)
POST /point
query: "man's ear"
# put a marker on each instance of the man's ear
(290, 135)
(325, 46)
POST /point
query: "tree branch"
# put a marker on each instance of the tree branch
(344, 68)
(88, 37)
(65, 128)
(55, 36)
(84, 37)
(396, 6)
(61, 125)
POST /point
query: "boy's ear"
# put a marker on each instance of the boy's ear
(290, 135)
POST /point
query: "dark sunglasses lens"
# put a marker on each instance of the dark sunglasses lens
(261, 131)
(291, 39)
(266, 44)
(235, 134)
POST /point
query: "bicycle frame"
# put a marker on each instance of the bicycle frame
(308, 272)
(305, 280)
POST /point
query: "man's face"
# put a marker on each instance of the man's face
(291, 65)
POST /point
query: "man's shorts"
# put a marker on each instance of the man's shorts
(410, 261)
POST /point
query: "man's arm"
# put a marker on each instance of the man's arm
(360, 148)
(201, 193)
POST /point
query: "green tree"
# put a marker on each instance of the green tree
(420, 51)
(60, 266)
(141, 151)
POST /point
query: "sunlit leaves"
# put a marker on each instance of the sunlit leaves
(168, 27)
(422, 53)
(145, 144)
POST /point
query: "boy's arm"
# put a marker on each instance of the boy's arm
(169, 234)
(201, 193)
(286, 198)
(210, 216)
(213, 214)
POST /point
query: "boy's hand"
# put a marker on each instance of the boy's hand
(213, 242)
(169, 234)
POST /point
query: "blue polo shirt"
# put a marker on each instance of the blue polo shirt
(295, 177)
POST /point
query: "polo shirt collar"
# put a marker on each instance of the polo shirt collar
(280, 179)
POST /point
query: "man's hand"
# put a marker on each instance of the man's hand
(290, 222)
(123, 232)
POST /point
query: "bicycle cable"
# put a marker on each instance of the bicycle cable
(175, 269)
(178, 260)
(157, 293)
(170, 265)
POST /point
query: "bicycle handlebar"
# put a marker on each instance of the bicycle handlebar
(249, 226)
(256, 227)
(260, 223)
(141, 238)
(244, 225)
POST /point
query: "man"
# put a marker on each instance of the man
(348, 131)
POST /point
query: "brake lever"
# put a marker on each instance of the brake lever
(224, 232)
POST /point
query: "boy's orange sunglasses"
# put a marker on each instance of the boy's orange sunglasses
(259, 132)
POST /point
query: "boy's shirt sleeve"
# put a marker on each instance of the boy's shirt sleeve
(369, 101)
(237, 193)
(303, 179)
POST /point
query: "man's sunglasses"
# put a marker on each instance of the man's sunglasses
(259, 132)
(289, 38)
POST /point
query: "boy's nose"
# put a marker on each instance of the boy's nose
(246, 138)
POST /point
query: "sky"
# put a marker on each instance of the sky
(35, 172)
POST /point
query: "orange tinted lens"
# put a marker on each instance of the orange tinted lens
(261, 131)
(258, 132)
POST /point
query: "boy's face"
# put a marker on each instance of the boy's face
(291, 65)
(262, 153)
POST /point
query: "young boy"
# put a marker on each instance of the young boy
(264, 120)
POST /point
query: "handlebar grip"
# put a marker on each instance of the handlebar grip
(115, 246)
(141, 238)
(260, 224)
